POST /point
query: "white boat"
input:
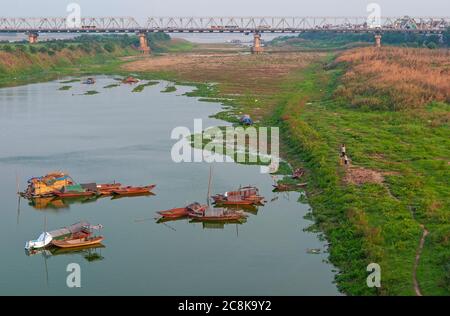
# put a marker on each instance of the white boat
(43, 241)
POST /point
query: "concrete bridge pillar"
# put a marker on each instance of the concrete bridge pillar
(378, 40)
(143, 43)
(257, 47)
(33, 38)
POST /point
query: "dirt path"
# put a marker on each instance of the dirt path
(416, 263)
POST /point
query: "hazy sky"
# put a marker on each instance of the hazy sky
(143, 8)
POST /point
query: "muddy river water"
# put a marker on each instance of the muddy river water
(118, 135)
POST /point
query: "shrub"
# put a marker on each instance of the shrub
(432, 45)
(109, 47)
(8, 48)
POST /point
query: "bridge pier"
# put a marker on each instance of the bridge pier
(33, 38)
(257, 47)
(378, 40)
(143, 43)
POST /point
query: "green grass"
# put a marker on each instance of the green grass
(372, 222)
(91, 92)
(113, 85)
(65, 88)
(169, 89)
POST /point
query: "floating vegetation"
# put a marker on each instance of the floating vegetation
(141, 87)
(314, 251)
(71, 81)
(169, 89)
(65, 88)
(91, 92)
(113, 85)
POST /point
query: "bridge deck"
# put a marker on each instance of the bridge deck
(226, 24)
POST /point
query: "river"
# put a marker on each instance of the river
(118, 135)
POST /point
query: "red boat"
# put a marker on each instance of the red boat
(130, 80)
(107, 188)
(244, 196)
(73, 194)
(133, 190)
(183, 211)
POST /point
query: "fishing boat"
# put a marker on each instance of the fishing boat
(280, 187)
(133, 190)
(80, 238)
(46, 238)
(45, 186)
(106, 189)
(89, 81)
(183, 211)
(298, 173)
(77, 242)
(66, 195)
(218, 215)
(130, 80)
(248, 195)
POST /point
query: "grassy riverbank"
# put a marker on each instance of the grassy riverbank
(22, 63)
(373, 210)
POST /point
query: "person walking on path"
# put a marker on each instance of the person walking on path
(346, 161)
(343, 150)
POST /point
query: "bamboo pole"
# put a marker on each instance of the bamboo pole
(209, 184)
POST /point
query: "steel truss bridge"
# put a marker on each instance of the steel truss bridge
(224, 24)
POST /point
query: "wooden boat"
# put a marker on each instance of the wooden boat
(288, 187)
(89, 81)
(298, 173)
(174, 213)
(218, 215)
(133, 190)
(107, 188)
(77, 242)
(244, 196)
(130, 80)
(183, 211)
(65, 195)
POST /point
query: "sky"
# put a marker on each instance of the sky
(140, 9)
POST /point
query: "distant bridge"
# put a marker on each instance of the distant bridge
(247, 25)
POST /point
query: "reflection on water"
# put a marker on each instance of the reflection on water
(56, 203)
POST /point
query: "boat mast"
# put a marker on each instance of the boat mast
(209, 184)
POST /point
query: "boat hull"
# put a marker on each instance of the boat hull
(74, 194)
(75, 243)
(133, 190)
(174, 213)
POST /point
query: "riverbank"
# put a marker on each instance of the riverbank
(366, 210)
(24, 63)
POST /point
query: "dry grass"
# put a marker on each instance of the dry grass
(396, 78)
(237, 73)
(252, 80)
(359, 176)
(17, 61)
